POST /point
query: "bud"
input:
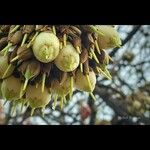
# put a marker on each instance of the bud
(28, 28)
(84, 55)
(3, 42)
(29, 69)
(103, 57)
(5, 28)
(16, 38)
(23, 53)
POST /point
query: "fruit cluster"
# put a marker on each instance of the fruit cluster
(138, 103)
(43, 62)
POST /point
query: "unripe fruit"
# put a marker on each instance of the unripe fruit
(130, 109)
(68, 58)
(11, 88)
(110, 39)
(81, 81)
(46, 47)
(5, 67)
(40, 61)
(36, 98)
(136, 104)
(61, 89)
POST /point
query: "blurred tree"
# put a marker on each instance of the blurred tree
(123, 100)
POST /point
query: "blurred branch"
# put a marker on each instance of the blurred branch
(93, 111)
(117, 105)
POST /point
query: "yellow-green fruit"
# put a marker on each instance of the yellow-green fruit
(63, 89)
(46, 47)
(81, 82)
(68, 59)
(136, 104)
(130, 109)
(110, 39)
(36, 98)
(5, 66)
(11, 88)
(142, 111)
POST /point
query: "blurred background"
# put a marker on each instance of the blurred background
(125, 100)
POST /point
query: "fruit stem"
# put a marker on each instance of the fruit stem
(94, 56)
(15, 28)
(61, 45)
(61, 103)
(55, 102)
(5, 73)
(110, 58)
(97, 47)
(93, 97)
(64, 99)
(32, 39)
(81, 67)
(90, 55)
(89, 83)
(24, 39)
(78, 49)
(101, 71)
(71, 87)
(27, 105)
(54, 29)
(14, 108)
(36, 85)
(65, 39)
(5, 50)
(42, 110)
(14, 59)
(21, 90)
(43, 81)
(22, 105)
(32, 112)
(25, 84)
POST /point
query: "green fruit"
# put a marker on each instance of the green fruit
(12, 88)
(6, 69)
(61, 89)
(137, 105)
(46, 47)
(36, 98)
(68, 58)
(81, 82)
(130, 109)
(110, 39)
